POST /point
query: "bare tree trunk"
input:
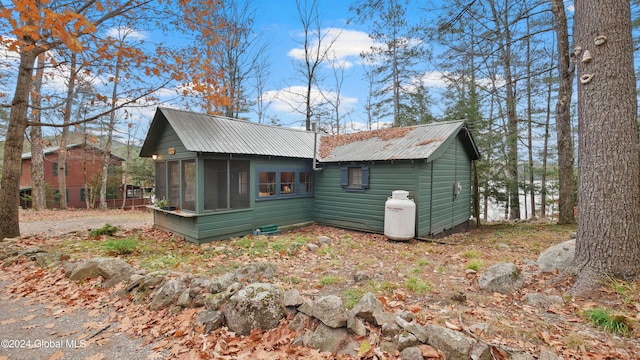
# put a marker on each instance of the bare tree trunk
(563, 118)
(545, 151)
(62, 153)
(608, 231)
(38, 193)
(502, 26)
(12, 164)
(106, 158)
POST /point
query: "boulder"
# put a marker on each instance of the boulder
(331, 311)
(366, 307)
(406, 340)
(411, 353)
(503, 278)
(543, 301)
(258, 305)
(113, 270)
(454, 344)
(292, 297)
(413, 328)
(210, 319)
(168, 293)
(327, 339)
(558, 257)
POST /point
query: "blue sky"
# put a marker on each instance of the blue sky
(278, 23)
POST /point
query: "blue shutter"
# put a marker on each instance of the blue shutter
(344, 176)
(365, 177)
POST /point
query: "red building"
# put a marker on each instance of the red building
(84, 165)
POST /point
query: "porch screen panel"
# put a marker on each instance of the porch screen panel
(189, 185)
(161, 180)
(173, 182)
(239, 181)
(215, 184)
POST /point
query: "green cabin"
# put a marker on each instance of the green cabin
(227, 177)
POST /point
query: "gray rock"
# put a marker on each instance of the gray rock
(324, 240)
(454, 344)
(388, 346)
(356, 325)
(327, 339)
(411, 327)
(221, 283)
(292, 297)
(411, 353)
(406, 340)
(503, 278)
(152, 280)
(257, 305)
(407, 316)
(520, 356)
(480, 351)
(299, 322)
(31, 251)
(390, 330)
(232, 289)
(558, 257)
(215, 301)
(113, 270)
(312, 247)
(168, 293)
(349, 347)
(546, 354)
(382, 318)
(361, 276)
(183, 299)
(367, 306)
(331, 311)
(256, 272)
(542, 300)
(211, 320)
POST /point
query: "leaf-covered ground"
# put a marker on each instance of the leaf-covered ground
(436, 281)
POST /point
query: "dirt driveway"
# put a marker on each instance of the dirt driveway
(55, 223)
(33, 328)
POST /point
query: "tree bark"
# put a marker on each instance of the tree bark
(608, 231)
(11, 169)
(62, 152)
(38, 193)
(566, 199)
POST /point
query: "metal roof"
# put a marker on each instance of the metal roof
(414, 142)
(217, 134)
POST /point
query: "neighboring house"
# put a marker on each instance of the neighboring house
(84, 163)
(228, 177)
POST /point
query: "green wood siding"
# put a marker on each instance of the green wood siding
(423, 201)
(361, 210)
(448, 211)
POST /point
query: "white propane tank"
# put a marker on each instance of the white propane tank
(399, 216)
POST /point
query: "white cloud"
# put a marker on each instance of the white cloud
(124, 31)
(346, 46)
(291, 100)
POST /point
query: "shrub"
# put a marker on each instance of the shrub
(120, 246)
(107, 229)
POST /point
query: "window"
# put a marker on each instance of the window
(84, 193)
(173, 182)
(189, 185)
(226, 184)
(112, 170)
(161, 180)
(267, 183)
(306, 182)
(287, 183)
(354, 177)
(55, 169)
